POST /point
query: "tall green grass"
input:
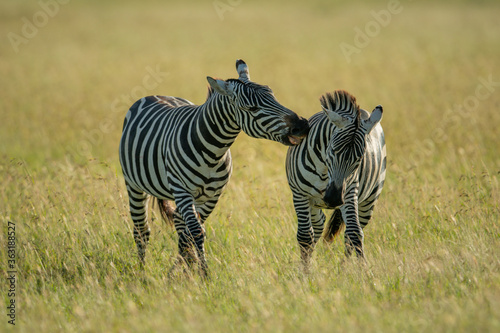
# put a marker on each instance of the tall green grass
(432, 246)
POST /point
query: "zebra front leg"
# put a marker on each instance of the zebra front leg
(186, 251)
(138, 204)
(193, 235)
(305, 232)
(318, 223)
(353, 232)
(311, 222)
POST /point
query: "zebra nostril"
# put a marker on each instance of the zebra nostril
(295, 131)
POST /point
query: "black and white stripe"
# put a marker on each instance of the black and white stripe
(340, 165)
(176, 151)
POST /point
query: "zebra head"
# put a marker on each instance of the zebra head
(347, 144)
(257, 112)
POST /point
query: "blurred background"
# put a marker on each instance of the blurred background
(69, 67)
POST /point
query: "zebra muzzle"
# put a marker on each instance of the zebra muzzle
(334, 197)
(298, 129)
(295, 140)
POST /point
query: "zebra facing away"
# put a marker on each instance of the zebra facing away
(173, 150)
(340, 165)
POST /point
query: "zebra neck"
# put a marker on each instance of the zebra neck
(216, 127)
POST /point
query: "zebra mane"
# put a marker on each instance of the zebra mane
(255, 86)
(341, 102)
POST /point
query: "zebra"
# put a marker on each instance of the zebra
(340, 165)
(173, 150)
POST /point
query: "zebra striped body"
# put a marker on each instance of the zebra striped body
(174, 150)
(340, 165)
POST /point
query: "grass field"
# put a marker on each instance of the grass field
(70, 71)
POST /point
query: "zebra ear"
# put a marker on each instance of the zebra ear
(221, 86)
(336, 118)
(374, 119)
(242, 69)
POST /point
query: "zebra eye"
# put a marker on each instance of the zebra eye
(253, 108)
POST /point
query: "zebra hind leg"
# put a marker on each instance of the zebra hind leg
(138, 202)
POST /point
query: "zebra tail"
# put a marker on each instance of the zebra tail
(334, 226)
(166, 211)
